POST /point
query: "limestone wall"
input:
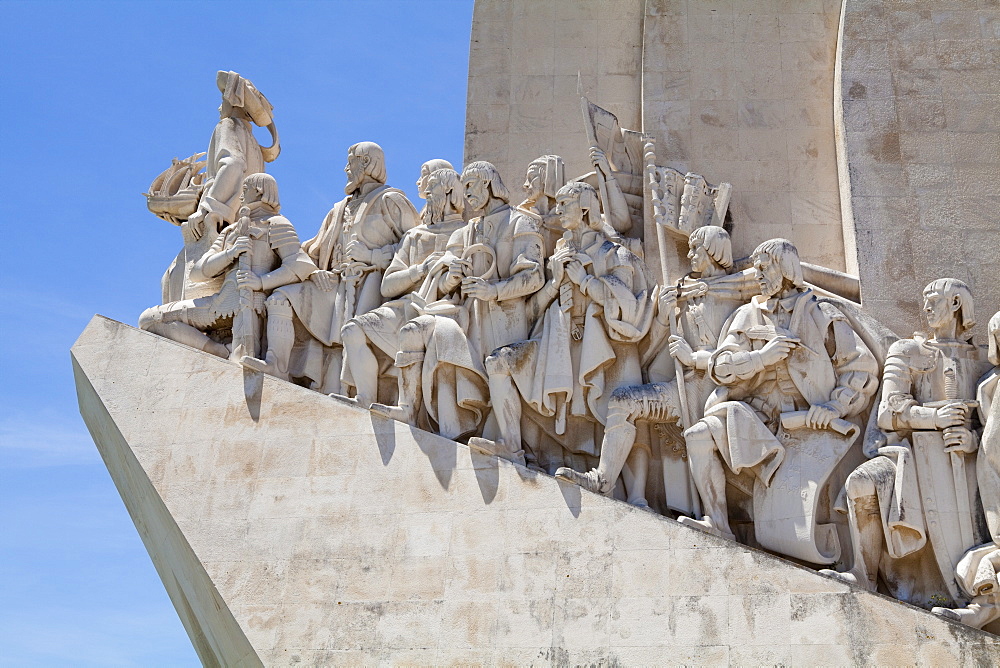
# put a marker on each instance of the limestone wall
(743, 92)
(331, 536)
(526, 61)
(921, 125)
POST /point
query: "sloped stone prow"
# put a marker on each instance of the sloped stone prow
(291, 528)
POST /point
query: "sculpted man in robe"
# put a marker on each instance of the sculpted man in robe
(255, 255)
(233, 153)
(593, 311)
(354, 246)
(912, 507)
(473, 301)
(704, 299)
(979, 570)
(784, 357)
(419, 253)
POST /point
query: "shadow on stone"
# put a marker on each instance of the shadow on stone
(487, 469)
(571, 494)
(253, 391)
(443, 457)
(384, 430)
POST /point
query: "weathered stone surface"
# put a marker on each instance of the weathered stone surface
(526, 61)
(291, 528)
(921, 128)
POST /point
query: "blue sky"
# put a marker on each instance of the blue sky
(96, 100)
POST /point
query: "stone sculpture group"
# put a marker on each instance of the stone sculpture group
(780, 414)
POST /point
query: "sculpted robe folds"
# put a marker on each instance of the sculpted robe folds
(378, 220)
(584, 345)
(751, 415)
(459, 338)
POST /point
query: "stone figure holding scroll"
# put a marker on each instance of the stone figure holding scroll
(593, 311)
(790, 369)
(912, 507)
(979, 569)
(254, 255)
(704, 299)
(354, 246)
(471, 303)
(419, 254)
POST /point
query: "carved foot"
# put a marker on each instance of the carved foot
(850, 577)
(706, 525)
(498, 448)
(256, 364)
(344, 399)
(402, 413)
(975, 615)
(590, 480)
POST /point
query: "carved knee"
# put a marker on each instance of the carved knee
(278, 306)
(496, 363)
(150, 318)
(624, 406)
(352, 335)
(699, 439)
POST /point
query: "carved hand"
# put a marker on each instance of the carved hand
(576, 272)
(950, 415)
(668, 300)
(239, 247)
(599, 160)
(322, 279)
(777, 349)
(358, 251)
(681, 350)
(426, 265)
(557, 267)
(248, 279)
(821, 415)
(959, 439)
(479, 288)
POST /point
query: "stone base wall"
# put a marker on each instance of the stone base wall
(289, 528)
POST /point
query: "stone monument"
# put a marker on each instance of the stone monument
(660, 411)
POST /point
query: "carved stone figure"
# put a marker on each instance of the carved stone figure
(790, 369)
(355, 244)
(426, 169)
(208, 202)
(978, 570)
(473, 302)
(254, 255)
(912, 507)
(420, 252)
(704, 299)
(545, 176)
(594, 310)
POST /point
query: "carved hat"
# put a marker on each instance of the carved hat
(240, 92)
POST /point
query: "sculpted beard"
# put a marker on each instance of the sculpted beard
(434, 213)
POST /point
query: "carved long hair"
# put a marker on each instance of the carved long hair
(786, 255)
(267, 187)
(374, 159)
(452, 182)
(489, 173)
(716, 243)
(952, 288)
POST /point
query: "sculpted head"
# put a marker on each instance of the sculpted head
(261, 188)
(710, 245)
(482, 183)
(445, 194)
(425, 171)
(776, 263)
(948, 300)
(544, 177)
(578, 207)
(365, 164)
